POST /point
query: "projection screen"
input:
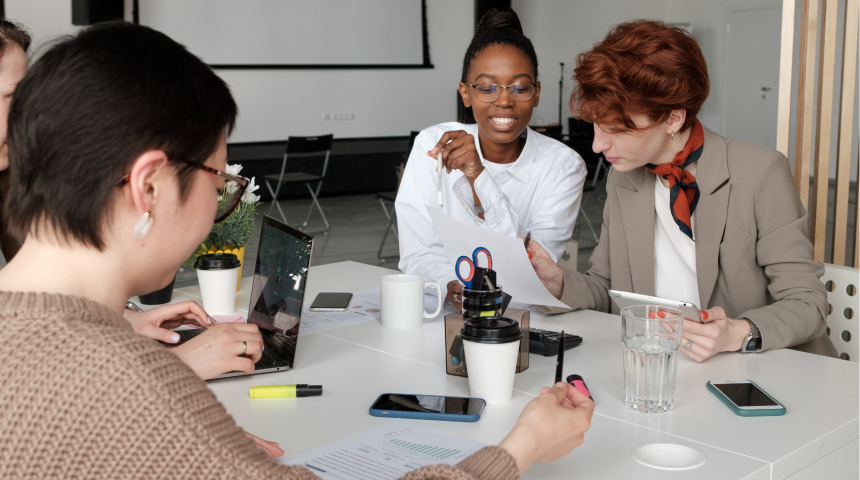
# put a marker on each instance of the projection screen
(295, 33)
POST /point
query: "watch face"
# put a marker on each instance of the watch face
(753, 344)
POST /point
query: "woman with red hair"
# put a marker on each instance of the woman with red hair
(690, 215)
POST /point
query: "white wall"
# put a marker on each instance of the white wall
(45, 19)
(277, 103)
(274, 104)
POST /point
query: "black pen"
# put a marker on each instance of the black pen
(559, 363)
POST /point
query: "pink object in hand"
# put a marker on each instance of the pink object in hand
(580, 385)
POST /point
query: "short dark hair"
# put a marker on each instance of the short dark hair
(497, 27)
(89, 107)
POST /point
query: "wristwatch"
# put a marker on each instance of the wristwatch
(479, 209)
(753, 341)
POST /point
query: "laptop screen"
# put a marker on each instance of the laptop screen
(280, 276)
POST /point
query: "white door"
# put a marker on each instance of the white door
(752, 74)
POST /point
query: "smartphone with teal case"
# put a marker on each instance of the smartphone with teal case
(746, 399)
(428, 407)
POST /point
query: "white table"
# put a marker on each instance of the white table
(817, 438)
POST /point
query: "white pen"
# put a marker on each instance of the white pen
(439, 167)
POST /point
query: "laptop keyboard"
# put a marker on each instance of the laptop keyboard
(282, 341)
(266, 360)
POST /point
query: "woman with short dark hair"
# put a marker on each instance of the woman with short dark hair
(690, 215)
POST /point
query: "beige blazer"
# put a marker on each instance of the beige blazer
(753, 255)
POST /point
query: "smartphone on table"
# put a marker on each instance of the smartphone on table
(428, 407)
(746, 398)
(627, 299)
(331, 302)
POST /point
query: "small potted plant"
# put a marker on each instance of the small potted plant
(231, 235)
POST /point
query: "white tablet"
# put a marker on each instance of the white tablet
(627, 299)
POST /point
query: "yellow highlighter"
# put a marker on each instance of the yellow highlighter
(286, 391)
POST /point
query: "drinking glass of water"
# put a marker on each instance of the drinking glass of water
(651, 335)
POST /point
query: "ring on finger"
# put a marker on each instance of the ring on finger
(689, 345)
(245, 348)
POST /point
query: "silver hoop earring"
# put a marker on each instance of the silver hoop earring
(143, 225)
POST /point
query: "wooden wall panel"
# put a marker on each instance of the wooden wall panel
(805, 99)
(821, 182)
(846, 131)
(783, 126)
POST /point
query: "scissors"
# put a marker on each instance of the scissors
(469, 277)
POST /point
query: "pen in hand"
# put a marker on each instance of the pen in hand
(439, 167)
(559, 363)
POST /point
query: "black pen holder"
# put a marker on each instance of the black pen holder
(482, 303)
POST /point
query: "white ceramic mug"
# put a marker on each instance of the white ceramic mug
(402, 301)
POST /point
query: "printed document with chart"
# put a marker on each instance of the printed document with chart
(386, 452)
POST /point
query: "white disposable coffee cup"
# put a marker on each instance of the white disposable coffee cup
(217, 274)
(492, 347)
(402, 301)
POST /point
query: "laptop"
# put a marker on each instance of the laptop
(277, 295)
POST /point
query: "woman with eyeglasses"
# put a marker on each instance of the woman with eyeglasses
(122, 180)
(208, 354)
(499, 173)
(690, 215)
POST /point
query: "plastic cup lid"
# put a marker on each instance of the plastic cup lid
(491, 330)
(217, 261)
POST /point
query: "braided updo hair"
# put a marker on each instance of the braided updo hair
(495, 28)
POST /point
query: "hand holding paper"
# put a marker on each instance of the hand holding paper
(510, 259)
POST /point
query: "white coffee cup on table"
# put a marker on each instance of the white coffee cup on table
(492, 347)
(217, 274)
(402, 301)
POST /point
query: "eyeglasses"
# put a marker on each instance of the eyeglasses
(490, 92)
(231, 193)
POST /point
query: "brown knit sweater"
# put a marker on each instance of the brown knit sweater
(83, 396)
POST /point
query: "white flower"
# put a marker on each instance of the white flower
(231, 187)
(249, 196)
(234, 169)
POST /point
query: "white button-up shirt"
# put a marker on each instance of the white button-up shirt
(540, 192)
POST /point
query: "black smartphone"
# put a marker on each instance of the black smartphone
(428, 407)
(331, 302)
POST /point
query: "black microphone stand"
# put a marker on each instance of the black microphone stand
(560, 93)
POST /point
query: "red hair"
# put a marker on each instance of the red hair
(641, 67)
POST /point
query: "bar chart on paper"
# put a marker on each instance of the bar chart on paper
(385, 452)
(440, 453)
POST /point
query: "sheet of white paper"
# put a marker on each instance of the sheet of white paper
(363, 307)
(388, 451)
(514, 272)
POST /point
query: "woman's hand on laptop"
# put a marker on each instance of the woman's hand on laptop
(549, 273)
(156, 323)
(226, 347)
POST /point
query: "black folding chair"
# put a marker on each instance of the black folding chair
(302, 147)
(391, 197)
